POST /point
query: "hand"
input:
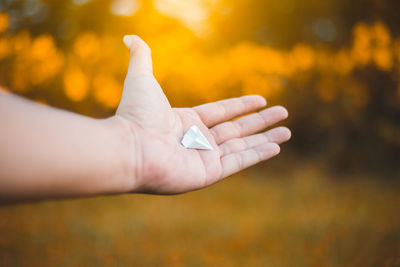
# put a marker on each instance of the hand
(162, 164)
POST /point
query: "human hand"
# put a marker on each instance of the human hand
(161, 164)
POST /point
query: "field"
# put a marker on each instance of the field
(297, 218)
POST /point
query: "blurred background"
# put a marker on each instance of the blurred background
(332, 198)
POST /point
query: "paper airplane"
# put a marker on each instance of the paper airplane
(194, 138)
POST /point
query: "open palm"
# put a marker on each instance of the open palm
(164, 165)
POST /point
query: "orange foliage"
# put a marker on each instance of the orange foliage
(87, 47)
(46, 60)
(107, 91)
(76, 84)
(35, 60)
(94, 63)
(4, 22)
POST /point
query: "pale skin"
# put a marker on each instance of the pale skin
(49, 153)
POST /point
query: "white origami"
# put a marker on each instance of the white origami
(194, 138)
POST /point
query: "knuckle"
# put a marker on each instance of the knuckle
(237, 128)
(244, 143)
(216, 135)
(225, 150)
(239, 161)
(221, 110)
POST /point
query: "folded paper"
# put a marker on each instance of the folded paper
(194, 138)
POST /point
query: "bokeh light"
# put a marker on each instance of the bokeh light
(331, 198)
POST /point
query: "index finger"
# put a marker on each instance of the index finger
(214, 113)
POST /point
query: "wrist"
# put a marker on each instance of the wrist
(126, 167)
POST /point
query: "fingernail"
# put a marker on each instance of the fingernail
(127, 40)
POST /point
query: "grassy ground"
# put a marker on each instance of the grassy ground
(304, 218)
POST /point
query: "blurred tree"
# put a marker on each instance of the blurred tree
(335, 65)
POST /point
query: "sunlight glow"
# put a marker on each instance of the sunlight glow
(193, 13)
(80, 2)
(124, 7)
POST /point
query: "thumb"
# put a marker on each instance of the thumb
(140, 55)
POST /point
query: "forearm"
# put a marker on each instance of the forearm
(50, 153)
